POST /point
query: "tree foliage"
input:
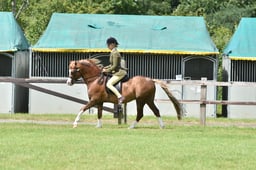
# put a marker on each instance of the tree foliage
(221, 17)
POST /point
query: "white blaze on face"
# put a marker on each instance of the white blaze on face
(69, 72)
(69, 80)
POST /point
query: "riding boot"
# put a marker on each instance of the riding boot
(120, 100)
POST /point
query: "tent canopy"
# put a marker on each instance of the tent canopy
(11, 36)
(242, 45)
(135, 33)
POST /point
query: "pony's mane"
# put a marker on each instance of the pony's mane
(92, 61)
(95, 61)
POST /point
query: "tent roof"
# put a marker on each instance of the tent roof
(242, 45)
(135, 33)
(11, 36)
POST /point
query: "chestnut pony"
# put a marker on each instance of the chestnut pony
(139, 88)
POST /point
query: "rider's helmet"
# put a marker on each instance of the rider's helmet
(111, 40)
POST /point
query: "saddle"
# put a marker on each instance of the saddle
(118, 85)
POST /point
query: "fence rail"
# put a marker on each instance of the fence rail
(203, 102)
(173, 82)
(25, 82)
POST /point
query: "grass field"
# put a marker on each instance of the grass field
(52, 146)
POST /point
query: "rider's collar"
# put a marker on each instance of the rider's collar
(114, 49)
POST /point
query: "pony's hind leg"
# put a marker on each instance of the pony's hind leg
(156, 112)
(140, 104)
(99, 123)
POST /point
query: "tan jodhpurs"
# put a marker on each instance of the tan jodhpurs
(113, 80)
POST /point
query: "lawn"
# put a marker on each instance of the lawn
(57, 146)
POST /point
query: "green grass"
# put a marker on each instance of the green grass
(35, 146)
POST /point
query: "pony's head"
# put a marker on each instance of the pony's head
(74, 72)
(87, 69)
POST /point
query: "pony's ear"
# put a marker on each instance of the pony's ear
(70, 62)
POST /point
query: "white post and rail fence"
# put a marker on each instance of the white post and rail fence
(203, 83)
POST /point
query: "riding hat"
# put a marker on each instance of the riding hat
(111, 40)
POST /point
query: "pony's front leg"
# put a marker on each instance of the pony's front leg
(83, 109)
(99, 123)
(77, 118)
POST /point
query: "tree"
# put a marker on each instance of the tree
(35, 19)
(5, 5)
(221, 17)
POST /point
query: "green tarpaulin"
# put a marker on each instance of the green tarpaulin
(135, 33)
(242, 45)
(11, 36)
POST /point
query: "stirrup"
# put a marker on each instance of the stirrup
(120, 100)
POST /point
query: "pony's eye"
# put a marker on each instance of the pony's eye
(73, 71)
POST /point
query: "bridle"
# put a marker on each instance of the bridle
(86, 79)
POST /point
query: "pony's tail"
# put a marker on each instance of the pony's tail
(171, 97)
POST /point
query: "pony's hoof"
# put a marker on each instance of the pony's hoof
(162, 127)
(98, 126)
(74, 125)
(69, 82)
(131, 127)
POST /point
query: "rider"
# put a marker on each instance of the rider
(114, 68)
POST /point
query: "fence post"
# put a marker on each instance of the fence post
(125, 113)
(120, 114)
(203, 99)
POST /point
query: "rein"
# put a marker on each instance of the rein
(87, 79)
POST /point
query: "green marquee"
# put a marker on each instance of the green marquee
(242, 45)
(11, 36)
(135, 33)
